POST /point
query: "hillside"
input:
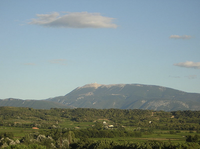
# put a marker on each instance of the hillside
(36, 104)
(130, 96)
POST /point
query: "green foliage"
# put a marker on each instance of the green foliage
(6, 134)
(28, 118)
(98, 126)
(22, 146)
(172, 132)
(62, 124)
(190, 138)
(95, 133)
(104, 144)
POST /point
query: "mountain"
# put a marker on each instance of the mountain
(36, 104)
(130, 96)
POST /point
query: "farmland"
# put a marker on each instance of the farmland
(84, 128)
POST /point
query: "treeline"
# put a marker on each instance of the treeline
(113, 145)
(65, 139)
(127, 145)
(178, 120)
(94, 133)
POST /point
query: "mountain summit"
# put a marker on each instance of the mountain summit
(92, 85)
(130, 96)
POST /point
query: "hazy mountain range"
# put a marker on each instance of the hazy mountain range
(122, 96)
(36, 104)
(130, 96)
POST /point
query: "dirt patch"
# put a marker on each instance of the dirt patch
(104, 119)
(155, 139)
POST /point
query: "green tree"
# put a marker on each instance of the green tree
(191, 138)
(98, 126)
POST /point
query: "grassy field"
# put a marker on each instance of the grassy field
(179, 137)
(159, 135)
(18, 132)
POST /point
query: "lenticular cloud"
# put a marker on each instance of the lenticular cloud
(189, 64)
(180, 37)
(74, 20)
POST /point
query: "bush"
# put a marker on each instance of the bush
(30, 146)
(190, 138)
(6, 134)
(172, 132)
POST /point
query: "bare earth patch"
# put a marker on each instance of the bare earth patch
(154, 139)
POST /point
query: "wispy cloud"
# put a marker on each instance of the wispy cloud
(177, 77)
(180, 37)
(189, 64)
(29, 64)
(192, 77)
(74, 20)
(58, 61)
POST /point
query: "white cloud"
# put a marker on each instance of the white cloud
(189, 64)
(58, 61)
(180, 37)
(74, 20)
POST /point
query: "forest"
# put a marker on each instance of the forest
(84, 128)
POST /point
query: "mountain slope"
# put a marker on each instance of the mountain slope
(130, 96)
(36, 104)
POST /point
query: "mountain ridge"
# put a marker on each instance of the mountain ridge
(130, 96)
(119, 96)
(36, 104)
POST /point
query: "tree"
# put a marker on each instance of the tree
(190, 138)
(98, 126)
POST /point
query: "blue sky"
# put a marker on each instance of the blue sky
(48, 48)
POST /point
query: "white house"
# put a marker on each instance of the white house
(110, 126)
